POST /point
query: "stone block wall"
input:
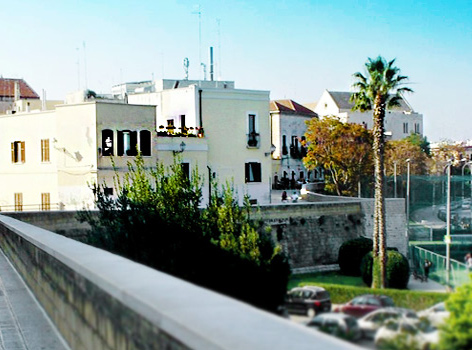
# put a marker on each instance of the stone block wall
(99, 300)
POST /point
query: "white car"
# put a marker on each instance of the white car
(421, 334)
(436, 314)
(370, 323)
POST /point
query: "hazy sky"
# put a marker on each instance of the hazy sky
(295, 49)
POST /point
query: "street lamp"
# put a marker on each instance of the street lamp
(395, 179)
(447, 238)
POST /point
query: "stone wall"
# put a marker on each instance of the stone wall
(310, 233)
(99, 300)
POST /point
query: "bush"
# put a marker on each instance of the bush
(397, 270)
(416, 300)
(351, 254)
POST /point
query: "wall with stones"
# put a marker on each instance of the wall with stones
(310, 233)
(99, 300)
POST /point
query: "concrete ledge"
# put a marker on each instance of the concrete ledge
(313, 269)
(100, 300)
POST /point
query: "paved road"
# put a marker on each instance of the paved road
(23, 323)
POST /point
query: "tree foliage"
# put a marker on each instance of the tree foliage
(379, 89)
(156, 219)
(343, 150)
(421, 141)
(456, 333)
(399, 151)
(444, 152)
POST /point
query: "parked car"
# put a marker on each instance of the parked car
(436, 314)
(364, 304)
(370, 323)
(420, 334)
(339, 325)
(308, 300)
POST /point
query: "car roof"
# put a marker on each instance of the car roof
(312, 288)
(333, 315)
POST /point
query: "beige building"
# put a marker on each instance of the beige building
(288, 127)
(52, 157)
(400, 121)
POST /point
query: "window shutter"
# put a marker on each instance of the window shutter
(133, 143)
(13, 152)
(23, 151)
(256, 169)
(247, 172)
(120, 143)
(46, 146)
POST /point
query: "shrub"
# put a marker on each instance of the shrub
(397, 269)
(351, 254)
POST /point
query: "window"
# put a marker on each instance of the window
(45, 201)
(45, 150)
(284, 145)
(405, 128)
(108, 191)
(253, 136)
(186, 169)
(417, 128)
(182, 122)
(253, 172)
(127, 142)
(145, 142)
(107, 142)
(18, 152)
(18, 201)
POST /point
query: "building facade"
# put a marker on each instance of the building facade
(400, 121)
(288, 127)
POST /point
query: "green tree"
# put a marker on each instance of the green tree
(456, 333)
(399, 151)
(343, 150)
(156, 219)
(380, 89)
(421, 141)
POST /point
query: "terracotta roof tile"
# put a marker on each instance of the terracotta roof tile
(290, 106)
(7, 89)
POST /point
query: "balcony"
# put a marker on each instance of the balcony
(253, 140)
(172, 131)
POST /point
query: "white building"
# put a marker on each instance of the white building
(399, 121)
(288, 127)
(50, 158)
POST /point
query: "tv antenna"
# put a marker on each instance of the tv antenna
(199, 13)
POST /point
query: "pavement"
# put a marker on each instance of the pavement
(429, 286)
(24, 325)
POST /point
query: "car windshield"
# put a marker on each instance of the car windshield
(387, 302)
(322, 295)
(351, 322)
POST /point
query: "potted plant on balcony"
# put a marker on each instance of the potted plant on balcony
(191, 132)
(200, 132)
(252, 139)
(162, 131)
(170, 130)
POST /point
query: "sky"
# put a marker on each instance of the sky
(294, 49)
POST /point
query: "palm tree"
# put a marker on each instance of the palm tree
(380, 89)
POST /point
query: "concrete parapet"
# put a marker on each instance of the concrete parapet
(99, 300)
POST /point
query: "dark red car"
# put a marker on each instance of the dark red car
(362, 305)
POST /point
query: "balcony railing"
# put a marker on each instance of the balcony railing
(172, 131)
(253, 140)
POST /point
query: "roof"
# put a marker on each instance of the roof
(290, 107)
(341, 98)
(7, 89)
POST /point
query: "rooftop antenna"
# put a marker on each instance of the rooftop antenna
(211, 63)
(204, 70)
(186, 63)
(85, 67)
(218, 64)
(78, 68)
(199, 13)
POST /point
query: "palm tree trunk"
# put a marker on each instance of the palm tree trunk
(379, 239)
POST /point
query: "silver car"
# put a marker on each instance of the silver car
(339, 325)
(370, 323)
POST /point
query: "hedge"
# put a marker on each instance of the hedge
(416, 300)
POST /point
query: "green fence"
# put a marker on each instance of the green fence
(435, 252)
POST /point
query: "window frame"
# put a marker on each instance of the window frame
(18, 152)
(256, 172)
